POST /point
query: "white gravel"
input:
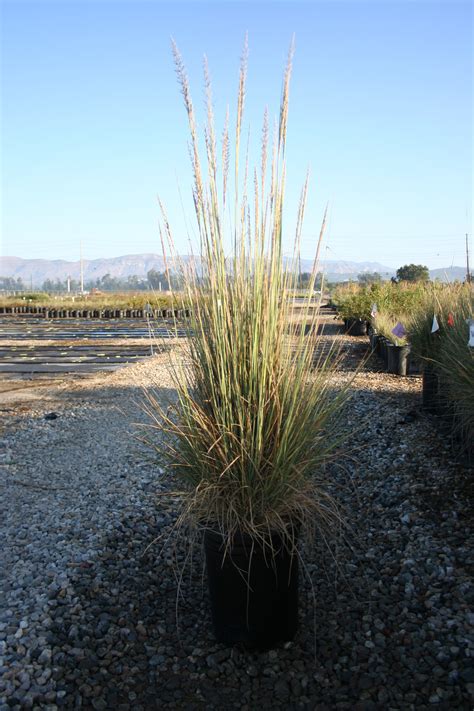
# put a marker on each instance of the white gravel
(88, 620)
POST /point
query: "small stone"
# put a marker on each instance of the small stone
(99, 704)
(141, 630)
(366, 681)
(45, 656)
(282, 689)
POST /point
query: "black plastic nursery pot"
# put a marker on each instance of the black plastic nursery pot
(378, 345)
(384, 349)
(356, 327)
(374, 338)
(430, 389)
(253, 590)
(397, 362)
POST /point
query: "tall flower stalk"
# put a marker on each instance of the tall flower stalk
(254, 420)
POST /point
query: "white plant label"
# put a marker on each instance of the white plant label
(435, 326)
(470, 323)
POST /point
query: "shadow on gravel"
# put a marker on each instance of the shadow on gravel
(126, 651)
(371, 635)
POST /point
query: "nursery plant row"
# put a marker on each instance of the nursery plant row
(426, 327)
(94, 313)
(112, 301)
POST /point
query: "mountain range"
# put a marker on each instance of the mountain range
(36, 271)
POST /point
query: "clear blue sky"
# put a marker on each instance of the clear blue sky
(93, 125)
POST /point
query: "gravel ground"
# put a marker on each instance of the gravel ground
(89, 615)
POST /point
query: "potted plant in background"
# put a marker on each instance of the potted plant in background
(255, 419)
(439, 336)
(354, 309)
(395, 346)
(456, 372)
(426, 330)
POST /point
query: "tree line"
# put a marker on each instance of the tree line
(157, 280)
(409, 272)
(154, 280)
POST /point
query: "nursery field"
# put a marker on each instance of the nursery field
(31, 345)
(93, 614)
(272, 505)
(37, 302)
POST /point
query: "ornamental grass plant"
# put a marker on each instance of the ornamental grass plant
(455, 365)
(384, 325)
(255, 418)
(438, 301)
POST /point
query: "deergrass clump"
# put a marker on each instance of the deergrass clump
(253, 422)
(445, 353)
(437, 301)
(455, 365)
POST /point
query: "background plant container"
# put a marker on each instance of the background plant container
(430, 389)
(398, 359)
(254, 593)
(383, 349)
(355, 326)
(359, 327)
(378, 345)
(374, 338)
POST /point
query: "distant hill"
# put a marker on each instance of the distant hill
(448, 274)
(38, 270)
(339, 270)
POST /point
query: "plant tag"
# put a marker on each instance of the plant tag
(470, 323)
(374, 311)
(435, 326)
(399, 330)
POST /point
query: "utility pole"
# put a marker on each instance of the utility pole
(82, 271)
(468, 271)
